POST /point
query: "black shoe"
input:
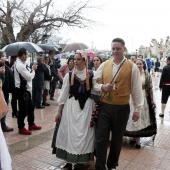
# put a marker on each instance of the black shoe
(161, 115)
(7, 129)
(138, 146)
(51, 98)
(68, 166)
(132, 142)
(15, 114)
(40, 107)
(45, 104)
(81, 166)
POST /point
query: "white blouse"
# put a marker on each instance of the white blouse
(64, 92)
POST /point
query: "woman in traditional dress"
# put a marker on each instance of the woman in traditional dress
(94, 94)
(75, 138)
(146, 125)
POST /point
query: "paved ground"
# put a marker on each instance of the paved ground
(34, 152)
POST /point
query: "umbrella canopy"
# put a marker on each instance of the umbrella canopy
(75, 46)
(48, 47)
(12, 49)
(91, 54)
(58, 56)
(103, 56)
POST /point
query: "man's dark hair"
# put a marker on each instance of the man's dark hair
(50, 52)
(22, 51)
(140, 56)
(119, 40)
(134, 56)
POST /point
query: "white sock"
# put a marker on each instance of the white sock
(163, 107)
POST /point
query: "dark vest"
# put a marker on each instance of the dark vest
(78, 89)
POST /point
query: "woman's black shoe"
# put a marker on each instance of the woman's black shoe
(81, 166)
(132, 142)
(45, 104)
(138, 146)
(15, 114)
(67, 166)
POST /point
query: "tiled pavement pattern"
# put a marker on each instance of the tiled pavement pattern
(34, 152)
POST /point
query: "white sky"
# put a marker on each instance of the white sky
(136, 21)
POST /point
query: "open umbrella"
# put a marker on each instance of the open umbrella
(75, 46)
(91, 54)
(12, 49)
(48, 47)
(58, 56)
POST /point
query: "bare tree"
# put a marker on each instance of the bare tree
(33, 22)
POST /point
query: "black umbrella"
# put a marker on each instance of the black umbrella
(12, 49)
(47, 47)
(75, 46)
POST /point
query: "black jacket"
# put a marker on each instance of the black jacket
(39, 75)
(9, 83)
(165, 77)
(47, 75)
(53, 68)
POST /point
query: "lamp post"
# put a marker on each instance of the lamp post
(136, 52)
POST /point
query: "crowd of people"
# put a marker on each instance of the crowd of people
(121, 88)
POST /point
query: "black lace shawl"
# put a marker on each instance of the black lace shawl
(78, 89)
(152, 129)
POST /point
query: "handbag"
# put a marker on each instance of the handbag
(3, 106)
(95, 112)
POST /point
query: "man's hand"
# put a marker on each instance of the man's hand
(135, 116)
(58, 117)
(107, 87)
(34, 67)
(51, 63)
(2, 70)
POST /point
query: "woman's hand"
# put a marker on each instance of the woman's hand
(58, 117)
(99, 80)
(135, 116)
